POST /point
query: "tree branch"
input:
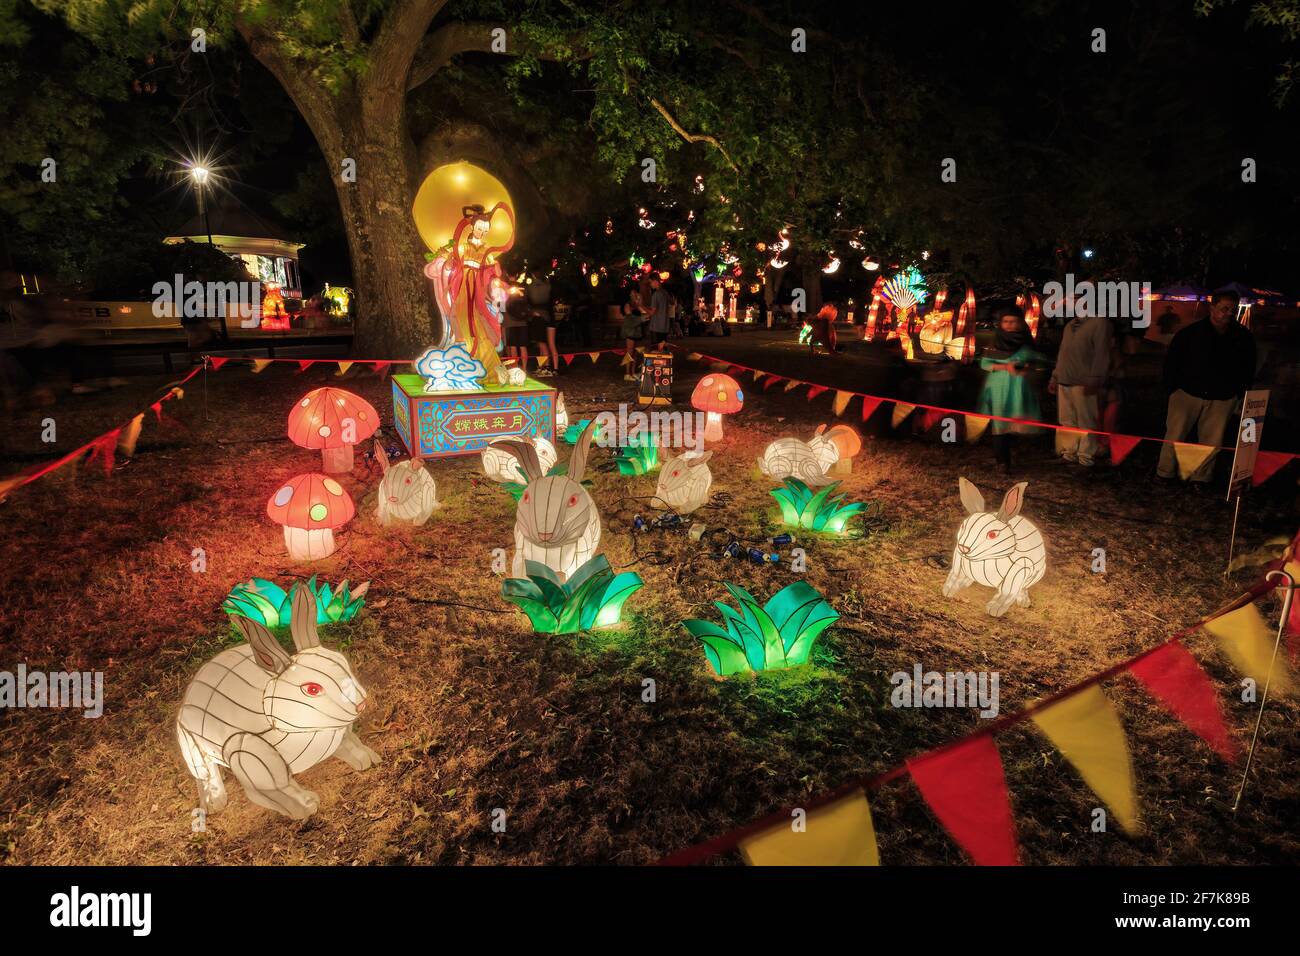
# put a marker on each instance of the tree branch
(400, 36)
(694, 137)
(461, 36)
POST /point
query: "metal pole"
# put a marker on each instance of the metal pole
(1281, 625)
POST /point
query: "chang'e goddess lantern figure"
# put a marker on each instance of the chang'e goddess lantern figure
(466, 271)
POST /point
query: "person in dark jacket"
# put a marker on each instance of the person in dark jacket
(1209, 366)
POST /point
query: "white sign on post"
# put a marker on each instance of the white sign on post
(1249, 432)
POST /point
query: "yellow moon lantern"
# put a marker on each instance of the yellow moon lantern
(445, 193)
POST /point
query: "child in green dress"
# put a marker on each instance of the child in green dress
(1007, 392)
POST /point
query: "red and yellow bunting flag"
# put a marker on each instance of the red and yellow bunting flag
(1086, 730)
(595, 356)
(965, 787)
(815, 390)
(840, 834)
(901, 411)
(260, 364)
(1174, 678)
(542, 360)
(381, 369)
(793, 384)
(343, 369)
(841, 403)
(930, 417)
(772, 380)
(217, 362)
(1190, 457)
(1249, 642)
(975, 426)
(1267, 464)
(1120, 446)
(130, 435)
(304, 364)
(869, 405)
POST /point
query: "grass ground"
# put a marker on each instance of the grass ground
(472, 712)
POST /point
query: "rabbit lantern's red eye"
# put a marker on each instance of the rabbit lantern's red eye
(312, 689)
(676, 472)
(573, 500)
(408, 481)
(992, 535)
(525, 496)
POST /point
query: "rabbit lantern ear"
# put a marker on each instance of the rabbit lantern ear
(525, 453)
(971, 499)
(578, 463)
(303, 622)
(1012, 501)
(381, 456)
(696, 460)
(267, 652)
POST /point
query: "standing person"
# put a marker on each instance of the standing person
(1007, 392)
(659, 323)
(635, 317)
(1209, 366)
(516, 330)
(824, 327)
(1077, 382)
(539, 297)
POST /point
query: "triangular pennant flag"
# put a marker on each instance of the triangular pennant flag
(130, 435)
(259, 364)
(1190, 457)
(304, 364)
(1121, 445)
(931, 416)
(975, 425)
(594, 356)
(840, 834)
(815, 390)
(381, 369)
(343, 368)
(695, 356)
(967, 791)
(568, 358)
(772, 380)
(104, 447)
(542, 360)
(1247, 639)
(157, 410)
(793, 384)
(1174, 678)
(869, 405)
(757, 375)
(1086, 730)
(1267, 464)
(901, 411)
(841, 403)
(217, 362)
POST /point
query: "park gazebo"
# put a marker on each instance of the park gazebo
(266, 250)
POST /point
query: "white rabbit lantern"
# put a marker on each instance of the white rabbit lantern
(267, 715)
(1000, 550)
(500, 465)
(809, 461)
(556, 522)
(684, 482)
(407, 492)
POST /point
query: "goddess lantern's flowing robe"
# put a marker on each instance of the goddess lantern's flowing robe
(467, 279)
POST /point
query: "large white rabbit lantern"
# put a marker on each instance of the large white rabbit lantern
(268, 715)
(407, 492)
(999, 549)
(556, 523)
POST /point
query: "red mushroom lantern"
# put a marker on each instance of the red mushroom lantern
(310, 507)
(332, 420)
(718, 395)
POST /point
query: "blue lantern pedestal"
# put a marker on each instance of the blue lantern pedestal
(445, 424)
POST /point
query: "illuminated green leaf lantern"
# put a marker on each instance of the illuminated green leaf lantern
(775, 636)
(801, 508)
(574, 431)
(268, 603)
(639, 457)
(592, 597)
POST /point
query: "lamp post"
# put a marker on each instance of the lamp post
(199, 174)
